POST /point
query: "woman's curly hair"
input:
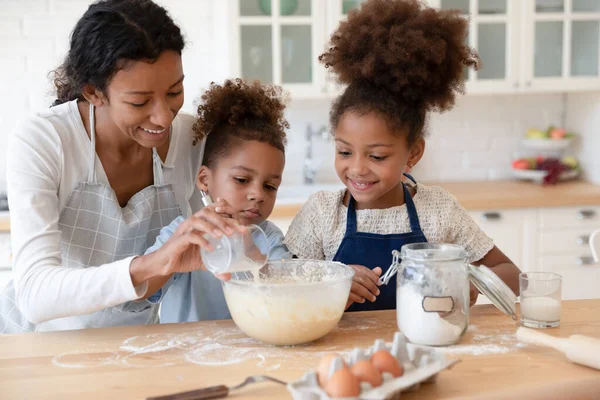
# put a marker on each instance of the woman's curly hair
(399, 58)
(240, 110)
(108, 35)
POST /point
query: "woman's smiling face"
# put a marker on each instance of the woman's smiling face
(144, 98)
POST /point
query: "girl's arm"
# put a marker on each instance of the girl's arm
(502, 266)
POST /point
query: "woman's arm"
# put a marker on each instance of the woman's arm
(44, 289)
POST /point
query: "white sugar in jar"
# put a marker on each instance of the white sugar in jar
(432, 295)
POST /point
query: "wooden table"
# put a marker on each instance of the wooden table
(127, 362)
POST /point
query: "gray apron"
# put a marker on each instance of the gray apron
(96, 231)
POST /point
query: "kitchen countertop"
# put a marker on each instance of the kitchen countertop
(473, 195)
(487, 195)
(104, 364)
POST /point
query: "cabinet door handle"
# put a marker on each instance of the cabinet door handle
(583, 240)
(586, 214)
(491, 216)
(585, 260)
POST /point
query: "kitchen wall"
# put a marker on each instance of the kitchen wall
(474, 141)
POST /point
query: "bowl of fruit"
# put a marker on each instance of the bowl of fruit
(546, 170)
(552, 139)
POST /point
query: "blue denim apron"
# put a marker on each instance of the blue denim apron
(373, 250)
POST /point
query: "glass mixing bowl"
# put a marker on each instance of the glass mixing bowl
(290, 301)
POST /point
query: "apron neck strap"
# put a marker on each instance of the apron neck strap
(409, 176)
(157, 168)
(351, 216)
(411, 210)
(157, 164)
(92, 168)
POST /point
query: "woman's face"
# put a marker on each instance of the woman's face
(144, 98)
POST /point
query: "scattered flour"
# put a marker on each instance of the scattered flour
(209, 346)
(226, 346)
(494, 341)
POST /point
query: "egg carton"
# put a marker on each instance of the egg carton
(421, 365)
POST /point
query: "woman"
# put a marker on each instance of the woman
(93, 179)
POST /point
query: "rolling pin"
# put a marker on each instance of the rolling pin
(580, 349)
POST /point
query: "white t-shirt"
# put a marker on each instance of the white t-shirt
(318, 229)
(48, 155)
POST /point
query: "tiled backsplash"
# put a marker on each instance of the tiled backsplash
(474, 141)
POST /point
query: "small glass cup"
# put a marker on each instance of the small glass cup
(237, 253)
(540, 299)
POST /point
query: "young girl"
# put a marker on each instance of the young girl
(400, 61)
(241, 170)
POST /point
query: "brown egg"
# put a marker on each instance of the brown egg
(343, 383)
(365, 371)
(323, 368)
(385, 362)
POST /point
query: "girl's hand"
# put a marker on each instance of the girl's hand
(181, 253)
(364, 285)
(473, 294)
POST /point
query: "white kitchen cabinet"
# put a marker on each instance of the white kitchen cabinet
(532, 45)
(561, 46)
(279, 41)
(513, 232)
(525, 45)
(564, 234)
(494, 32)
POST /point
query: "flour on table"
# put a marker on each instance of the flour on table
(207, 346)
(494, 341)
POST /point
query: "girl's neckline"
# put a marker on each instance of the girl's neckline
(412, 189)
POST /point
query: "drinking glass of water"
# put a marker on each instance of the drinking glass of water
(240, 252)
(540, 299)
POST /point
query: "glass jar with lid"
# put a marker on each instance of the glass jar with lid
(432, 298)
(432, 292)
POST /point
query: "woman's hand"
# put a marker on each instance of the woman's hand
(181, 253)
(364, 285)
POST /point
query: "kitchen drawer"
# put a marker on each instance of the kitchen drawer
(570, 217)
(580, 281)
(566, 240)
(573, 261)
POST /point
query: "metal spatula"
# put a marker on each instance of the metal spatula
(215, 392)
